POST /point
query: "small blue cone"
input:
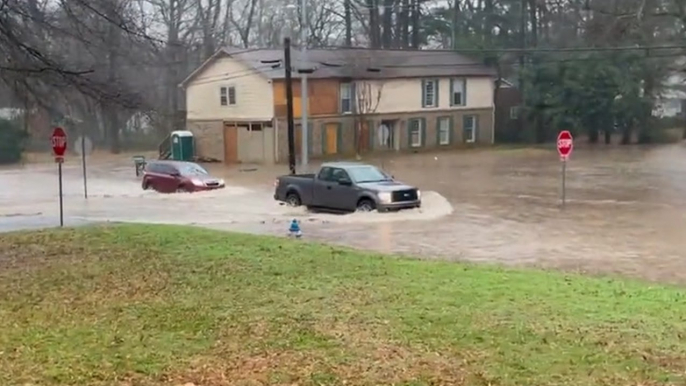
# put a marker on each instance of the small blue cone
(294, 229)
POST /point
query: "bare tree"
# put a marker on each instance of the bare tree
(367, 98)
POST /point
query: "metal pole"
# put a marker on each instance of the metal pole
(59, 172)
(83, 165)
(564, 182)
(289, 104)
(304, 26)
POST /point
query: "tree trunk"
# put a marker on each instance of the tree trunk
(404, 23)
(387, 33)
(348, 24)
(113, 40)
(416, 17)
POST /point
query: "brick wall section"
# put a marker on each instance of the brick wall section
(484, 119)
(209, 138)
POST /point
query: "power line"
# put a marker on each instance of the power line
(510, 50)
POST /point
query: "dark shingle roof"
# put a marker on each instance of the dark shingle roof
(355, 62)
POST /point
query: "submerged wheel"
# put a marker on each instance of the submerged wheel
(293, 199)
(182, 189)
(365, 205)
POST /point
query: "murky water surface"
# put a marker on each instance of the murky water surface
(625, 212)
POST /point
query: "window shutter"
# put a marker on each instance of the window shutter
(423, 93)
(438, 131)
(423, 132)
(464, 92)
(410, 123)
(353, 98)
(476, 128)
(451, 128)
(452, 90)
(436, 100)
(465, 120)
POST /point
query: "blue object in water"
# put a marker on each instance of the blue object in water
(294, 229)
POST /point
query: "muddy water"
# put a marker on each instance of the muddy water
(625, 213)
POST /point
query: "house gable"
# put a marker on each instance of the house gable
(252, 96)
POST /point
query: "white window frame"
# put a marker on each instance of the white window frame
(419, 130)
(225, 95)
(459, 85)
(425, 93)
(514, 112)
(472, 139)
(443, 130)
(346, 87)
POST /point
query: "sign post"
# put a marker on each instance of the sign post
(565, 145)
(59, 147)
(84, 147)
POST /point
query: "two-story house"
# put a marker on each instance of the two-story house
(359, 101)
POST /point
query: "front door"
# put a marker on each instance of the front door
(230, 144)
(331, 138)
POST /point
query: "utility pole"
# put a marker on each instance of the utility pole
(304, 26)
(289, 104)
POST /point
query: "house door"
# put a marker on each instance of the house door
(230, 144)
(363, 137)
(331, 138)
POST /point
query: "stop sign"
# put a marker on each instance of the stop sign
(59, 142)
(565, 144)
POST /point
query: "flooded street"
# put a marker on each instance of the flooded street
(625, 213)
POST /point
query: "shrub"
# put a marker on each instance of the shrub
(12, 141)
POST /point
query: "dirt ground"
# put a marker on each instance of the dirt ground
(625, 212)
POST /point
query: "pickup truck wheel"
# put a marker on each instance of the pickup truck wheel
(293, 199)
(365, 205)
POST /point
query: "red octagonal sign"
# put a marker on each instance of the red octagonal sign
(58, 141)
(565, 144)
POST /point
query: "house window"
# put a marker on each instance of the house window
(458, 92)
(416, 132)
(346, 98)
(430, 93)
(444, 131)
(227, 96)
(469, 125)
(514, 112)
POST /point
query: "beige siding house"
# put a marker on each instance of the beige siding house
(359, 101)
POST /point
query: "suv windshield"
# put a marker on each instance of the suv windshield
(192, 170)
(361, 174)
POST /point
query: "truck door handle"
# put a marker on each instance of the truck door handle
(328, 187)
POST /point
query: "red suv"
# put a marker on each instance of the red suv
(178, 176)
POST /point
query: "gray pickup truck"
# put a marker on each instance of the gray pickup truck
(347, 187)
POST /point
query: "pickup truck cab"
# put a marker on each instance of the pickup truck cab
(347, 187)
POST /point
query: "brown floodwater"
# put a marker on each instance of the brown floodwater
(625, 211)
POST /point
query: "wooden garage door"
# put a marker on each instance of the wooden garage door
(230, 144)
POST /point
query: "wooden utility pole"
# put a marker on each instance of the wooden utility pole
(289, 104)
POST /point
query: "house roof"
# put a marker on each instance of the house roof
(360, 63)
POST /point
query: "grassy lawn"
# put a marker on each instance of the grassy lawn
(163, 305)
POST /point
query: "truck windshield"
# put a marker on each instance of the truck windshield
(192, 170)
(361, 174)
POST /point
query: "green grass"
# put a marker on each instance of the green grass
(163, 305)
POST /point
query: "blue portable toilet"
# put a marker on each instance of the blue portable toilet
(182, 145)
